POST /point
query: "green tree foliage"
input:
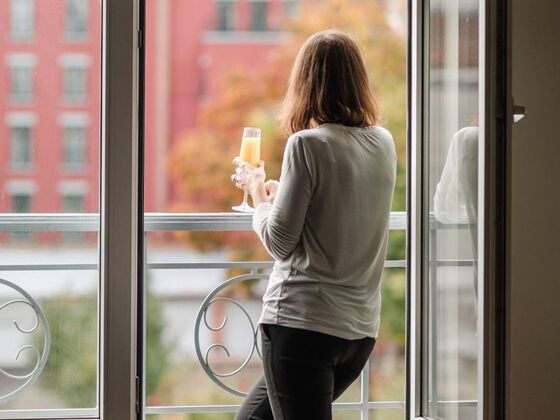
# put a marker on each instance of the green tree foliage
(71, 371)
(200, 161)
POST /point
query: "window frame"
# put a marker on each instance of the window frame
(119, 239)
(496, 116)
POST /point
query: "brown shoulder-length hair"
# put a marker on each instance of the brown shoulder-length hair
(328, 84)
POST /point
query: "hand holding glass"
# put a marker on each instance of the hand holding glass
(250, 153)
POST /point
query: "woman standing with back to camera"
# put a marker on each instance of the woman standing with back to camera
(326, 225)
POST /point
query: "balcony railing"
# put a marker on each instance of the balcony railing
(160, 222)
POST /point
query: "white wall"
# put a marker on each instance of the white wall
(533, 334)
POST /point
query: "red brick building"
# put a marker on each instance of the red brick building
(50, 79)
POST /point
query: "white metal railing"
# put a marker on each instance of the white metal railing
(89, 222)
(160, 222)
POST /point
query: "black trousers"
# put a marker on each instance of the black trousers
(304, 372)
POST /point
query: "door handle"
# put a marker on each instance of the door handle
(519, 112)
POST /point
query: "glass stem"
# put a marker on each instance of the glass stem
(245, 195)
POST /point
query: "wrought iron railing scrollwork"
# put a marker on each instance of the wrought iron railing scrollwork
(202, 320)
(23, 381)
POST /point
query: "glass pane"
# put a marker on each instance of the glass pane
(452, 189)
(387, 362)
(346, 415)
(49, 282)
(387, 414)
(208, 75)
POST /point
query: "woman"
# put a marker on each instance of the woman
(326, 226)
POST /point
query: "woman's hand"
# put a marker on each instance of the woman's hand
(250, 179)
(271, 187)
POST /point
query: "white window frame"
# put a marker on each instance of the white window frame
(495, 119)
(119, 211)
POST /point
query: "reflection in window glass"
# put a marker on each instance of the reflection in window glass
(22, 19)
(76, 19)
(452, 189)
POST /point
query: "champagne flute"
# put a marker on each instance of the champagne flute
(250, 153)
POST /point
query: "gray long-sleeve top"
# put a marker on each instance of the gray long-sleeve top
(327, 230)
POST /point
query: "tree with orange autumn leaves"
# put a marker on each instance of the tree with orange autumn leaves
(200, 161)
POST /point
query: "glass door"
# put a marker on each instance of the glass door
(50, 138)
(452, 177)
(450, 210)
(211, 68)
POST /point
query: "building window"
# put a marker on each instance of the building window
(21, 203)
(22, 19)
(259, 20)
(74, 77)
(74, 147)
(76, 19)
(21, 84)
(20, 147)
(20, 127)
(73, 203)
(74, 85)
(21, 69)
(291, 7)
(225, 15)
